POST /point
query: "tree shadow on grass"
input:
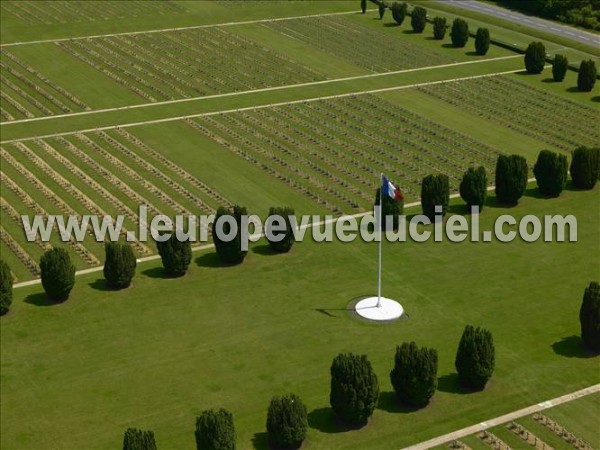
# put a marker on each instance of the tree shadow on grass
(574, 89)
(572, 347)
(534, 192)
(391, 25)
(410, 31)
(388, 401)
(212, 260)
(447, 45)
(156, 272)
(264, 250)
(324, 420)
(472, 53)
(548, 80)
(100, 285)
(492, 202)
(449, 383)
(40, 299)
(260, 441)
(596, 99)
(570, 186)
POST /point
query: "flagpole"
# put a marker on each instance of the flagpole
(380, 238)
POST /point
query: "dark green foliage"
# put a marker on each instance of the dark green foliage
(363, 6)
(119, 265)
(390, 207)
(382, 7)
(511, 178)
(589, 317)
(414, 375)
(135, 439)
(559, 67)
(57, 273)
(399, 11)
(550, 171)
(354, 388)
(576, 12)
(286, 243)
(6, 287)
(475, 358)
(175, 255)
(585, 167)
(439, 28)
(473, 187)
(482, 41)
(535, 57)
(435, 191)
(215, 430)
(587, 75)
(459, 33)
(230, 252)
(287, 422)
(418, 19)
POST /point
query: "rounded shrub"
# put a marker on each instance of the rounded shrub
(135, 439)
(439, 28)
(550, 172)
(585, 167)
(390, 208)
(589, 317)
(414, 375)
(215, 430)
(473, 187)
(354, 388)
(175, 254)
(399, 11)
(435, 191)
(586, 79)
(229, 251)
(475, 358)
(6, 287)
(280, 241)
(119, 265)
(57, 273)
(535, 58)
(511, 178)
(482, 41)
(418, 19)
(459, 33)
(287, 422)
(559, 68)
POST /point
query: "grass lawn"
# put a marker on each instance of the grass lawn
(157, 354)
(76, 375)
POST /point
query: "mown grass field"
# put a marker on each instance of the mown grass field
(158, 353)
(303, 112)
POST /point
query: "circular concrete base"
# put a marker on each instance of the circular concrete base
(388, 309)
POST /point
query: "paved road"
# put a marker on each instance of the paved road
(547, 26)
(504, 419)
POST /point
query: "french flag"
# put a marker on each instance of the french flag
(388, 188)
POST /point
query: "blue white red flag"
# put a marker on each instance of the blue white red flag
(390, 190)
